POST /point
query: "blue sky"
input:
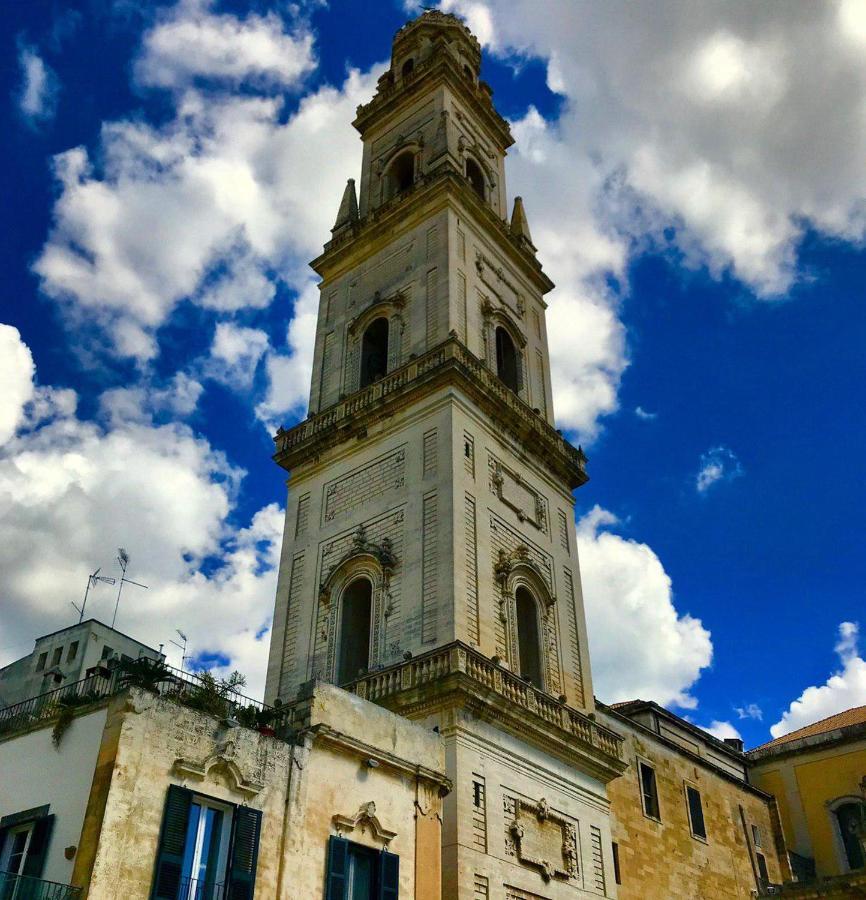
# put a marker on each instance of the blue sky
(694, 181)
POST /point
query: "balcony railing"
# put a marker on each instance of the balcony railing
(450, 351)
(24, 887)
(107, 682)
(459, 658)
(197, 889)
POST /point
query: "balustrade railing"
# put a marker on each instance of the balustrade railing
(459, 658)
(25, 887)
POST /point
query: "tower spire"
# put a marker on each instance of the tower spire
(348, 214)
(519, 225)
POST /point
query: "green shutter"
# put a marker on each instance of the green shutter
(389, 876)
(172, 842)
(34, 862)
(246, 829)
(338, 869)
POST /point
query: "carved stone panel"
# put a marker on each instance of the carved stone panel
(541, 838)
(362, 485)
(516, 493)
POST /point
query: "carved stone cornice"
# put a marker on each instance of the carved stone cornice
(448, 363)
(364, 818)
(224, 760)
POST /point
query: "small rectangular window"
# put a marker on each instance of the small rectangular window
(72, 652)
(756, 835)
(107, 652)
(762, 867)
(40, 663)
(649, 791)
(57, 656)
(616, 874)
(696, 812)
(479, 812)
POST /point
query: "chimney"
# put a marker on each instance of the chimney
(734, 744)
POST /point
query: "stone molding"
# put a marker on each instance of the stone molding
(536, 829)
(364, 818)
(226, 760)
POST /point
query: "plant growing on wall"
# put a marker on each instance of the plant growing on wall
(147, 674)
(66, 707)
(213, 695)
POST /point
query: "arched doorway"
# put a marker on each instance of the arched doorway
(355, 615)
(506, 359)
(528, 642)
(374, 352)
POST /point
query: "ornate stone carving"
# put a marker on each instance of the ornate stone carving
(527, 503)
(542, 838)
(242, 769)
(364, 818)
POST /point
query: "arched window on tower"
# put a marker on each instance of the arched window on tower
(355, 613)
(408, 67)
(374, 352)
(506, 359)
(401, 174)
(476, 177)
(528, 643)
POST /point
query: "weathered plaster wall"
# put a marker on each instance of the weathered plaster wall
(34, 773)
(662, 858)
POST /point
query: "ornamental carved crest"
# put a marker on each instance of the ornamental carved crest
(544, 839)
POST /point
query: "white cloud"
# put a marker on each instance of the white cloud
(721, 730)
(72, 491)
(842, 690)
(750, 711)
(719, 464)
(16, 376)
(235, 354)
(37, 98)
(191, 42)
(143, 402)
(641, 413)
(641, 646)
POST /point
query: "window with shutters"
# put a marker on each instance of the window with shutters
(507, 364)
(24, 839)
(696, 813)
(649, 791)
(208, 849)
(357, 872)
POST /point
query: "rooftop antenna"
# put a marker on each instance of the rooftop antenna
(182, 647)
(92, 581)
(123, 562)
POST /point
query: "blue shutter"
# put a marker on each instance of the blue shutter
(34, 862)
(246, 830)
(389, 876)
(338, 869)
(172, 842)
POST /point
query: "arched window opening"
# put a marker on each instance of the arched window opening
(506, 359)
(849, 817)
(408, 67)
(354, 647)
(401, 174)
(374, 352)
(476, 177)
(528, 644)
(468, 72)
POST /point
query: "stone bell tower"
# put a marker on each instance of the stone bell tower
(429, 560)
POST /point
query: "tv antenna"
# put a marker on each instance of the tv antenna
(92, 581)
(182, 648)
(123, 561)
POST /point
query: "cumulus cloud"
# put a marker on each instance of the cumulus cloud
(37, 97)
(641, 646)
(719, 464)
(71, 491)
(16, 376)
(235, 354)
(721, 730)
(842, 690)
(191, 42)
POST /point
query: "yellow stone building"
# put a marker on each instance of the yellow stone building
(818, 775)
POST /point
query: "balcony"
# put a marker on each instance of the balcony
(450, 360)
(459, 668)
(24, 887)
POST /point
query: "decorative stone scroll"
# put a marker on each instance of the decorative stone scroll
(226, 760)
(363, 819)
(543, 839)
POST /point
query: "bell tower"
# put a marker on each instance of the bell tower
(429, 559)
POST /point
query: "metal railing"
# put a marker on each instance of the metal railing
(197, 889)
(176, 684)
(25, 887)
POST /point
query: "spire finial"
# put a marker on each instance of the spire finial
(348, 214)
(519, 225)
